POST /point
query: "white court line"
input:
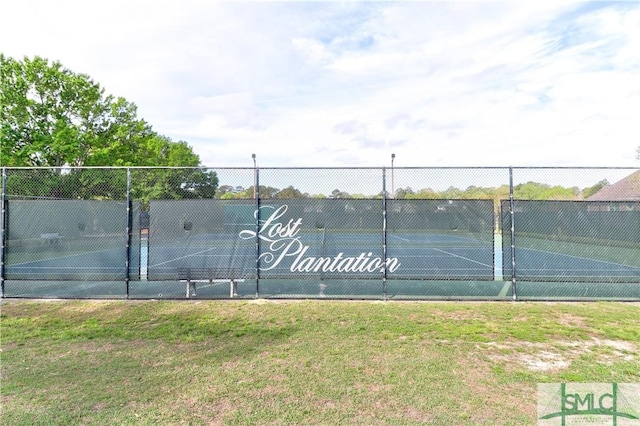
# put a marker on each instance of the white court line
(449, 253)
(107, 268)
(68, 256)
(456, 239)
(183, 257)
(461, 257)
(505, 288)
(578, 257)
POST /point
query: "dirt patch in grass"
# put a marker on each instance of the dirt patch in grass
(558, 355)
(453, 314)
(570, 320)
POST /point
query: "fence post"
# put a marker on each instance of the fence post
(513, 237)
(256, 193)
(3, 230)
(384, 233)
(129, 226)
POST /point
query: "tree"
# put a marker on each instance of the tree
(50, 116)
(588, 192)
(265, 191)
(452, 192)
(402, 193)
(529, 190)
(289, 192)
(223, 190)
(424, 193)
(336, 193)
(478, 192)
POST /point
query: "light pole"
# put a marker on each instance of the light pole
(393, 188)
(255, 176)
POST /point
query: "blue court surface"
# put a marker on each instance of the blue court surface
(324, 264)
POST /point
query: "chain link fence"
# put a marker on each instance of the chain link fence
(501, 233)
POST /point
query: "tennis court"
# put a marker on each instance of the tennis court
(373, 247)
(428, 266)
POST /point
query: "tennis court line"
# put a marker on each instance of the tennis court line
(505, 288)
(182, 257)
(106, 268)
(62, 257)
(461, 257)
(425, 239)
(581, 258)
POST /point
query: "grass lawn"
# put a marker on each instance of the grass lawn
(303, 362)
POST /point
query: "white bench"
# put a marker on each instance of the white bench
(191, 276)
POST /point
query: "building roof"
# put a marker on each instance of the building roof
(627, 189)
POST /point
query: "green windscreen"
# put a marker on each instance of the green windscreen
(83, 240)
(572, 241)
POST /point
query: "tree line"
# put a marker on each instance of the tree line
(524, 191)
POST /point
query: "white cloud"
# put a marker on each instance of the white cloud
(346, 84)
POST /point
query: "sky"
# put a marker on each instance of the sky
(346, 84)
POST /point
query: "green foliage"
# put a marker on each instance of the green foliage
(336, 193)
(52, 117)
(403, 193)
(268, 191)
(49, 116)
(539, 191)
(422, 193)
(289, 192)
(588, 192)
(43, 183)
(525, 191)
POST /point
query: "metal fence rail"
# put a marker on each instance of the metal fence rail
(500, 233)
